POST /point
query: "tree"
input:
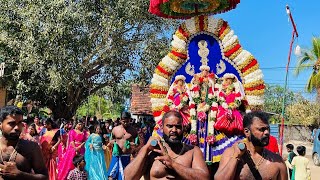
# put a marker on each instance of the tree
(100, 107)
(311, 58)
(304, 112)
(274, 99)
(63, 51)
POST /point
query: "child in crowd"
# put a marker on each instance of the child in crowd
(300, 164)
(78, 173)
(291, 155)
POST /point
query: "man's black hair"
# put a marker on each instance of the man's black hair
(77, 159)
(171, 113)
(33, 125)
(290, 146)
(9, 110)
(49, 121)
(301, 150)
(79, 121)
(125, 115)
(249, 117)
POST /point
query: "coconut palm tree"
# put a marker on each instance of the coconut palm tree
(310, 58)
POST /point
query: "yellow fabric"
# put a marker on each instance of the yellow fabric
(302, 169)
(216, 158)
(220, 136)
(107, 157)
(20, 104)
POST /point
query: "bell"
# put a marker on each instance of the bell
(297, 50)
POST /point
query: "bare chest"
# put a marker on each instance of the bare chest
(267, 171)
(159, 170)
(21, 159)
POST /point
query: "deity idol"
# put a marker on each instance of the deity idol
(202, 93)
(229, 119)
(203, 106)
(178, 98)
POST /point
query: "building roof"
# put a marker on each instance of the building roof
(140, 100)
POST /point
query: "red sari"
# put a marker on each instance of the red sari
(49, 156)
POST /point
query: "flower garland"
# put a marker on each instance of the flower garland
(184, 98)
(185, 9)
(231, 51)
(210, 105)
(224, 91)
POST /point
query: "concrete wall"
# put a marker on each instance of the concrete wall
(297, 133)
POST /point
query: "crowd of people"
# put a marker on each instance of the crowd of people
(125, 150)
(80, 149)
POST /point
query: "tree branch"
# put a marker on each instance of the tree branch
(96, 50)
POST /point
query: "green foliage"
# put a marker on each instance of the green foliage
(274, 99)
(298, 110)
(304, 112)
(311, 58)
(59, 52)
(100, 107)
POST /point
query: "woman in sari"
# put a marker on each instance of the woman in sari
(32, 134)
(77, 138)
(94, 156)
(107, 150)
(49, 140)
(62, 147)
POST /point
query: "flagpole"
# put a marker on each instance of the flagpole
(294, 35)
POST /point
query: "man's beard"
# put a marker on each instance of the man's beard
(168, 140)
(11, 137)
(264, 141)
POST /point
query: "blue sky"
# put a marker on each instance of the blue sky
(263, 29)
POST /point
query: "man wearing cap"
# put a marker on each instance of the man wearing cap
(123, 138)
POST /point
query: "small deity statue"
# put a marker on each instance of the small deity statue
(203, 98)
(203, 88)
(178, 98)
(229, 119)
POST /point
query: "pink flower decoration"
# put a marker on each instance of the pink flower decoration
(202, 116)
(193, 139)
(210, 139)
(230, 115)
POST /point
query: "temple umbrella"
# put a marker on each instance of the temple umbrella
(183, 9)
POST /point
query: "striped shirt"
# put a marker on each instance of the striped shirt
(76, 174)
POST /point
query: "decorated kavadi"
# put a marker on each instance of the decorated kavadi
(182, 9)
(211, 80)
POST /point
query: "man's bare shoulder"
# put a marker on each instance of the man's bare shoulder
(27, 145)
(28, 148)
(229, 151)
(273, 157)
(115, 129)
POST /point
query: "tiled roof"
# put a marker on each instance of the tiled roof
(140, 100)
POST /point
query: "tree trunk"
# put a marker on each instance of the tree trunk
(62, 110)
(66, 107)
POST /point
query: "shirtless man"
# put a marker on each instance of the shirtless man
(170, 159)
(18, 157)
(254, 161)
(123, 141)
